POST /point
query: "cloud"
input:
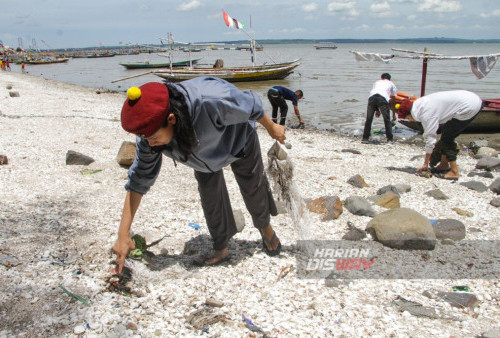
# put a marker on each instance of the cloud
(310, 7)
(363, 27)
(388, 26)
(495, 13)
(380, 7)
(189, 6)
(341, 6)
(440, 6)
(347, 9)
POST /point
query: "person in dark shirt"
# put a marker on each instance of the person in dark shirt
(277, 96)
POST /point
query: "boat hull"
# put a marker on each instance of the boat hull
(234, 74)
(143, 65)
(487, 121)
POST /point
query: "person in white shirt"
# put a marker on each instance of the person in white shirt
(383, 91)
(454, 111)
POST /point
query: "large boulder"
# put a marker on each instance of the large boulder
(402, 228)
(359, 206)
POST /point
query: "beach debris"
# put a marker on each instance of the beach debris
(213, 302)
(359, 206)
(414, 308)
(402, 228)
(195, 226)
(495, 186)
(251, 326)
(330, 206)
(4, 160)
(204, 317)
(475, 185)
(126, 154)
(425, 174)
(284, 271)
(79, 329)
(460, 299)
(90, 171)
(460, 288)
(462, 212)
(76, 158)
(357, 181)
(118, 282)
(448, 228)
(73, 295)
(437, 194)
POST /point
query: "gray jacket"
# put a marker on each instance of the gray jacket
(223, 118)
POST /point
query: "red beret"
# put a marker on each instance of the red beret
(404, 108)
(145, 109)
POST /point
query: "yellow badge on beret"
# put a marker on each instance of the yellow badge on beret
(134, 93)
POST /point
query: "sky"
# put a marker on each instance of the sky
(92, 23)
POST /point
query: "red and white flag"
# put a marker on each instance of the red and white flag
(230, 22)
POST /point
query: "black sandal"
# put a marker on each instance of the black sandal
(266, 242)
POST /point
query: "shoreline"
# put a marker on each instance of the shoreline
(60, 222)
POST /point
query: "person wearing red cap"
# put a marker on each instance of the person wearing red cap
(383, 91)
(454, 111)
(206, 124)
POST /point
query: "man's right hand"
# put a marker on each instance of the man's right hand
(122, 247)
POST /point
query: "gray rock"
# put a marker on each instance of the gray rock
(76, 158)
(495, 186)
(416, 309)
(485, 174)
(487, 151)
(359, 206)
(402, 228)
(14, 94)
(437, 194)
(460, 299)
(387, 188)
(475, 185)
(488, 163)
(495, 202)
(403, 188)
(357, 181)
(239, 219)
(449, 228)
(354, 234)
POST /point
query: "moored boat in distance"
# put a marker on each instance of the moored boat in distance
(45, 61)
(147, 64)
(325, 45)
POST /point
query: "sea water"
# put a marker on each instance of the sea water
(335, 85)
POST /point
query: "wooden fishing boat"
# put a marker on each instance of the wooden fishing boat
(232, 74)
(487, 121)
(146, 64)
(46, 61)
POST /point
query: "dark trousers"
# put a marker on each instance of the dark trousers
(449, 132)
(254, 187)
(378, 102)
(277, 101)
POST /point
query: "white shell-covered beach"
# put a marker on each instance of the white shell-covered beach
(58, 223)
